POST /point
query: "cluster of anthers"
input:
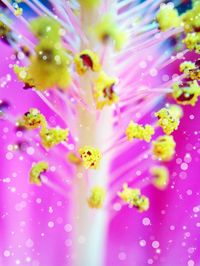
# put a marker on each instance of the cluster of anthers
(56, 61)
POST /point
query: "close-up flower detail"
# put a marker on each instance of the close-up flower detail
(33, 119)
(164, 148)
(53, 136)
(135, 131)
(99, 132)
(168, 120)
(160, 176)
(36, 171)
(104, 93)
(97, 197)
(186, 92)
(134, 198)
(86, 60)
(91, 157)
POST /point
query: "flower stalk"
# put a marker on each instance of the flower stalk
(90, 226)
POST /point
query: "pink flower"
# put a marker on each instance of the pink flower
(98, 164)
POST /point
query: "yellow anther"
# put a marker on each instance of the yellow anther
(18, 11)
(46, 28)
(97, 197)
(73, 158)
(191, 19)
(164, 148)
(34, 119)
(195, 2)
(168, 17)
(136, 131)
(129, 195)
(134, 198)
(192, 42)
(143, 204)
(104, 93)
(24, 76)
(51, 62)
(36, 170)
(26, 50)
(176, 110)
(186, 93)
(191, 69)
(53, 136)
(160, 176)
(187, 66)
(168, 120)
(85, 60)
(89, 3)
(4, 29)
(195, 74)
(108, 30)
(91, 157)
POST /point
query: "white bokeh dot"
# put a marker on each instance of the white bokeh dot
(117, 206)
(6, 253)
(146, 221)
(190, 263)
(184, 166)
(122, 256)
(29, 243)
(172, 227)
(153, 72)
(150, 261)
(9, 155)
(30, 150)
(68, 228)
(155, 244)
(50, 224)
(142, 243)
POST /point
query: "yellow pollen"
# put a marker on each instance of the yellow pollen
(192, 42)
(24, 76)
(18, 11)
(33, 119)
(53, 136)
(167, 17)
(51, 62)
(46, 28)
(97, 197)
(85, 60)
(186, 93)
(186, 66)
(176, 110)
(89, 3)
(107, 30)
(136, 131)
(163, 148)
(36, 170)
(134, 198)
(168, 120)
(73, 158)
(160, 176)
(191, 19)
(104, 93)
(91, 157)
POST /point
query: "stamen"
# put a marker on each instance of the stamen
(91, 157)
(97, 197)
(36, 171)
(160, 176)
(134, 198)
(163, 148)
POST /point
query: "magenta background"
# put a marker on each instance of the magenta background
(172, 207)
